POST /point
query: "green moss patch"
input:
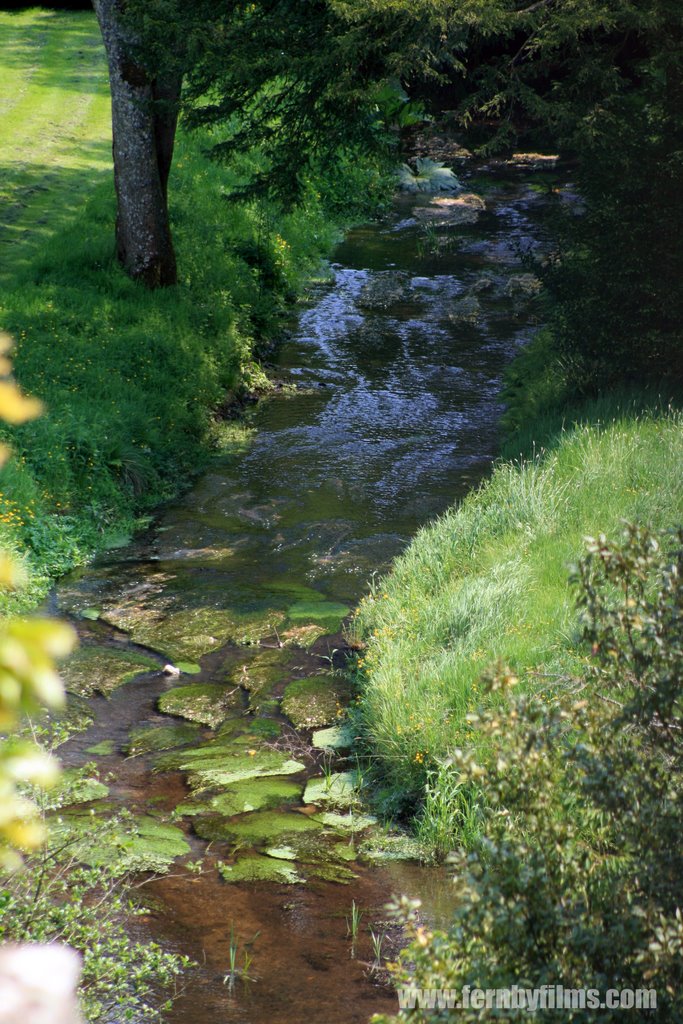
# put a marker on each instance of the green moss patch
(257, 828)
(256, 868)
(339, 789)
(218, 764)
(102, 669)
(142, 844)
(253, 795)
(338, 737)
(207, 703)
(322, 613)
(146, 740)
(316, 701)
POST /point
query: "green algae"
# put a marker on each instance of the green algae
(218, 764)
(75, 788)
(339, 789)
(346, 823)
(207, 703)
(256, 828)
(102, 669)
(302, 636)
(255, 868)
(338, 737)
(391, 847)
(315, 701)
(102, 749)
(148, 740)
(142, 843)
(322, 613)
(261, 674)
(320, 859)
(253, 795)
(190, 633)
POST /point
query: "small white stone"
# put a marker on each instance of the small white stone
(171, 670)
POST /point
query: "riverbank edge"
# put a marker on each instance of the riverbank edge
(141, 388)
(489, 582)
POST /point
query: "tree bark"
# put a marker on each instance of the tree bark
(144, 118)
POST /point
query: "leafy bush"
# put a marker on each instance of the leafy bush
(578, 879)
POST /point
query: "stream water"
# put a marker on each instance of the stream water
(244, 582)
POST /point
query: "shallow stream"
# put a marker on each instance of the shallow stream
(243, 584)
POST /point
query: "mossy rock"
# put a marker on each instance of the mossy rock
(315, 701)
(216, 765)
(257, 828)
(253, 795)
(102, 669)
(338, 737)
(320, 858)
(190, 633)
(346, 823)
(255, 868)
(76, 788)
(207, 703)
(148, 740)
(261, 674)
(393, 847)
(339, 789)
(302, 636)
(143, 844)
(322, 613)
(102, 749)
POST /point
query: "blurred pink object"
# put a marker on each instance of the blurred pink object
(38, 985)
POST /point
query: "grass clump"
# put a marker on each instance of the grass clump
(489, 581)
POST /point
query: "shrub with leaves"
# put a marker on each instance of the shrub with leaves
(427, 176)
(29, 680)
(579, 879)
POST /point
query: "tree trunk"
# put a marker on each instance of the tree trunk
(143, 136)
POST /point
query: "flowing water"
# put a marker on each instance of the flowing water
(244, 583)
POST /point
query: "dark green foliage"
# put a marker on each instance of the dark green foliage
(309, 84)
(578, 880)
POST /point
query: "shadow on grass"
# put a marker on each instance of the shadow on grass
(79, 69)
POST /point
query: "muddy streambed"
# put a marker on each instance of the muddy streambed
(240, 759)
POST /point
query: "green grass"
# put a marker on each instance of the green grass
(489, 580)
(128, 377)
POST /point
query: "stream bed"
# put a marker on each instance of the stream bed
(242, 589)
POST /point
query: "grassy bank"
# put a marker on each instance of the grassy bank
(129, 378)
(489, 581)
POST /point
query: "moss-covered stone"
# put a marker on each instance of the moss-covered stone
(338, 737)
(346, 823)
(315, 701)
(258, 828)
(255, 868)
(322, 613)
(219, 764)
(394, 846)
(102, 669)
(142, 844)
(102, 749)
(207, 703)
(190, 633)
(302, 636)
(253, 795)
(146, 740)
(339, 789)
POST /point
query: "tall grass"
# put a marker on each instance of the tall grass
(489, 580)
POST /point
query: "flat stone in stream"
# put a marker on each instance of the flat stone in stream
(142, 844)
(218, 764)
(258, 828)
(206, 703)
(102, 669)
(252, 795)
(149, 740)
(188, 634)
(315, 701)
(445, 211)
(256, 868)
(328, 614)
